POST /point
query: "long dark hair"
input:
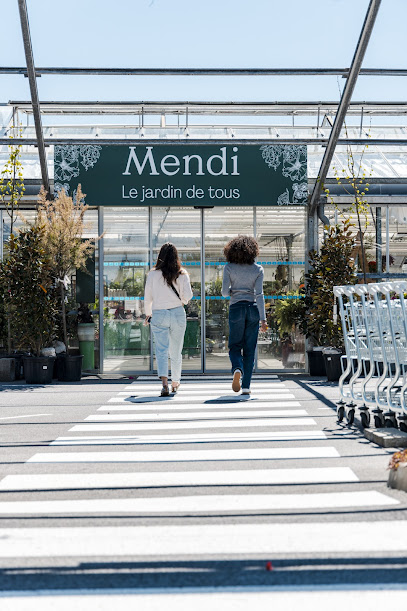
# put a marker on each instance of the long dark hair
(168, 263)
(243, 249)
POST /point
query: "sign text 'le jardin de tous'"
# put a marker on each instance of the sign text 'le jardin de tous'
(188, 175)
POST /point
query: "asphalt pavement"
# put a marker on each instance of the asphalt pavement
(111, 495)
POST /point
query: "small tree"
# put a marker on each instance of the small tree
(12, 183)
(63, 225)
(30, 296)
(353, 179)
(332, 266)
(11, 191)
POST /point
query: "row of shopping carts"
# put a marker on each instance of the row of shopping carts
(374, 370)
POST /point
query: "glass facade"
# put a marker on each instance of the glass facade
(132, 240)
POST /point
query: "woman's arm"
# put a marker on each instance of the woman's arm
(259, 296)
(186, 290)
(226, 282)
(148, 295)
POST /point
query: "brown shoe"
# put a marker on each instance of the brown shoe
(165, 391)
(236, 380)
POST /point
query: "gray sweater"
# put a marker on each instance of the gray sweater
(244, 283)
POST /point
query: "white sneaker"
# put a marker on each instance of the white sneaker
(236, 380)
(246, 391)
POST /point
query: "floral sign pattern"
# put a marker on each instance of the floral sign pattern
(67, 160)
(293, 159)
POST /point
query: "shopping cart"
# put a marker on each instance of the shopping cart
(374, 322)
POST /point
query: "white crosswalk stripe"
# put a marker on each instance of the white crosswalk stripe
(203, 389)
(188, 455)
(178, 407)
(241, 423)
(200, 540)
(187, 414)
(206, 415)
(191, 438)
(246, 477)
(201, 504)
(240, 598)
(275, 396)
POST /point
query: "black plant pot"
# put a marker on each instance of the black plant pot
(38, 369)
(332, 358)
(316, 362)
(69, 368)
(18, 360)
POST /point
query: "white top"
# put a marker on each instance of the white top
(159, 296)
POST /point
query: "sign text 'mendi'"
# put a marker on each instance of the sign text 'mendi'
(171, 164)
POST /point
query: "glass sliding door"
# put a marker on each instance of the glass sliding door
(132, 240)
(182, 227)
(220, 225)
(126, 263)
(281, 236)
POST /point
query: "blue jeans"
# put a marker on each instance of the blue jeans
(168, 327)
(244, 321)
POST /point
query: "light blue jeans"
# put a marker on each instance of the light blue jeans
(168, 327)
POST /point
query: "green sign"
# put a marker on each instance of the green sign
(184, 175)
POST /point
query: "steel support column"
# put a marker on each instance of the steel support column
(25, 28)
(379, 241)
(345, 99)
(101, 282)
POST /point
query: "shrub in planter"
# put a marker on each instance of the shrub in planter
(31, 298)
(62, 221)
(332, 266)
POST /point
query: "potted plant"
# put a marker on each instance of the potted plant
(290, 316)
(31, 300)
(11, 191)
(332, 266)
(398, 471)
(63, 225)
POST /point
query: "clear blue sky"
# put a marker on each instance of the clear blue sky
(209, 33)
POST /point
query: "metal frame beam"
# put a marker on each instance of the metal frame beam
(345, 99)
(378, 108)
(213, 141)
(344, 72)
(25, 29)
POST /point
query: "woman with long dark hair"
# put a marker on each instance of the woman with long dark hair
(167, 290)
(243, 283)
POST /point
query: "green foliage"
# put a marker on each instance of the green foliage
(12, 183)
(290, 313)
(62, 225)
(353, 179)
(30, 295)
(330, 267)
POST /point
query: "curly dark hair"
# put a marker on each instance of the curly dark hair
(243, 249)
(168, 263)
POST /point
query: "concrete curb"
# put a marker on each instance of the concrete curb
(387, 437)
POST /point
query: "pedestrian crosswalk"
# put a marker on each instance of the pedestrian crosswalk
(261, 464)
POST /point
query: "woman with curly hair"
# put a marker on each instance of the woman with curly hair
(167, 290)
(243, 283)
